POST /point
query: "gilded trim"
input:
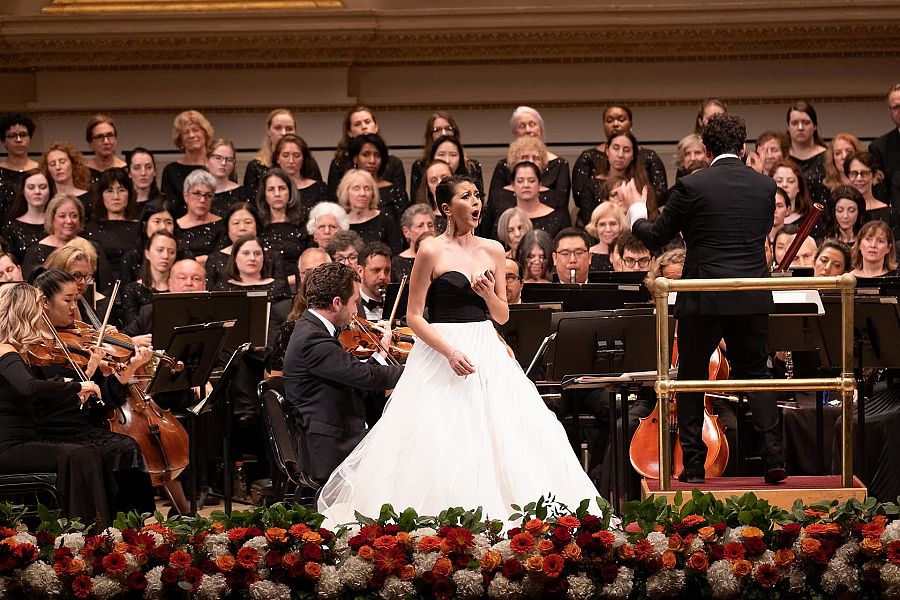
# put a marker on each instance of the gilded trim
(154, 6)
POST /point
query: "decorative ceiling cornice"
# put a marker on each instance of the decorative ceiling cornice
(296, 38)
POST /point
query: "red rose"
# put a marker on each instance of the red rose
(820, 557)
(313, 552)
(82, 586)
(427, 578)
(513, 569)
(160, 553)
(326, 534)
(193, 576)
(61, 552)
(755, 546)
(461, 561)
(513, 532)
(272, 558)
(169, 576)
(653, 564)
(442, 588)
(44, 538)
(719, 527)
(583, 540)
(608, 572)
(561, 536)
(792, 529)
(136, 580)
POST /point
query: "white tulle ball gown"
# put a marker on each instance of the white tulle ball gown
(484, 440)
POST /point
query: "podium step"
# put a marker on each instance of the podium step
(809, 489)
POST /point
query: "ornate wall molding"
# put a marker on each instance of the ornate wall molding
(155, 6)
(663, 31)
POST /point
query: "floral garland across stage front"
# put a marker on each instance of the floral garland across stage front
(704, 547)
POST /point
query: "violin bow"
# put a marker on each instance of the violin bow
(397, 300)
(62, 346)
(374, 340)
(109, 307)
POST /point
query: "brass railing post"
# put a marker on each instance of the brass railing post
(661, 296)
(845, 384)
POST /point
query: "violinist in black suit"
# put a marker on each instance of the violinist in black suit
(322, 381)
(724, 213)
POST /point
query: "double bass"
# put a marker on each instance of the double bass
(644, 450)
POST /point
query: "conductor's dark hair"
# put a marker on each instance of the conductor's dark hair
(327, 282)
(724, 134)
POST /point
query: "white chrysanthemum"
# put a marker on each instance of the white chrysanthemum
(395, 588)
(469, 583)
(355, 573)
(424, 562)
(580, 587)
(621, 538)
(665, 583)
(114, 534)
(158, 538)
(341, 547)
(417, 534)
(266, 590)
(659, 541)
(215, 539)
(482, 545)
(153, 591)
(767, 557)
(40, 576)
(329, 585)
(502, 588)
(722, 580)
(258, 543)
(3, 586)
(72, 541)
(131, 563)
(104, 587)
(23, 537)
(504, 547)
(732, 535)
(212, 587)
(695, 545)
(622, 585)
(891, 532)
(796, 577)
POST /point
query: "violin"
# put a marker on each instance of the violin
(363, 339)
(644, 450)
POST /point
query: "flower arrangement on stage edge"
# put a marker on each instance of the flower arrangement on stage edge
(740, 547)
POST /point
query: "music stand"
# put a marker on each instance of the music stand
(390, 297)
(216, 397)
(587, 296)
(607, 343)
(527, 327)
(250, 311)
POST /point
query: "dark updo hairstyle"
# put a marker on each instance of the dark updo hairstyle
(106, 180)
(50, 281)
(354, 147)
(20, 206)
(446, 189)
(527, 164)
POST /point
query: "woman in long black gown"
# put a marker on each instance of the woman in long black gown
(114, 225)
(59, 420)
(84, 482)
(191, 133)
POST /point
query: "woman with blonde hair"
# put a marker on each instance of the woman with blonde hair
(191, 134)
(607, 222)
(82, 478)
(357, 195)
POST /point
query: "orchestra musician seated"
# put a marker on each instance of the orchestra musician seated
(633, 256)
(571, 255)
(374, 270)
(515, 273)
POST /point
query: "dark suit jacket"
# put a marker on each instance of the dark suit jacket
(886, 151)
(724, 213)
(322, 384)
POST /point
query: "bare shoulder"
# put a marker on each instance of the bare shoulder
(6, 349)
(492, 247)
(430, 246)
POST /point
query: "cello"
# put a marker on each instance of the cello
(162, 438)
(644, 450)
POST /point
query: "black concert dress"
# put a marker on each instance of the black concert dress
(129, 302)
(120, 242)
(285, 242)
(22, 236)
(502, 200)
(37, 254)
(309, 197)
(393, 172)
(553, 222)
(84, 481)
(172, 185)
(507, 445)
(223, 200)
(380, 228)
(400, 266)
(393, 201)
(200, 240)
(600, 262)
(556, 177)
(10, 182)
(813, 170)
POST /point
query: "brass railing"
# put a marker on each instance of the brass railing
(845, 383)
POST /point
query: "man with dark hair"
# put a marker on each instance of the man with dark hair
(571, 255)
(345, 247)
(321, 380)
(515, 273)
(632, 253)
(374, 270)
(724, 213)
(886, 151)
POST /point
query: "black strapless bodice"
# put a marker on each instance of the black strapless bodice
(451, 299)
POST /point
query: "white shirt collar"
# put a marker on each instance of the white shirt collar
(726, 155)
(328, 324)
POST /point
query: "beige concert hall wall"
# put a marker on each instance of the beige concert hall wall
(143, 61)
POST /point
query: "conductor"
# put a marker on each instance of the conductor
(724, 213)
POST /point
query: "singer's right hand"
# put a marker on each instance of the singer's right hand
(88, 389)
(460, 363)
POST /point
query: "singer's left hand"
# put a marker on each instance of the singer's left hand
(483, 284)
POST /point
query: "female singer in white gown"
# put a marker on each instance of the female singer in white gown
(464, 426)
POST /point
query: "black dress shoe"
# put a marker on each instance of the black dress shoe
(775, 474)
(691, 476)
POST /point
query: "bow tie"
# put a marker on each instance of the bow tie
(372, 304)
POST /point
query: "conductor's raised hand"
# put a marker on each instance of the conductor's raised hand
(629, 193)
(483, 284)
(460, 363)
